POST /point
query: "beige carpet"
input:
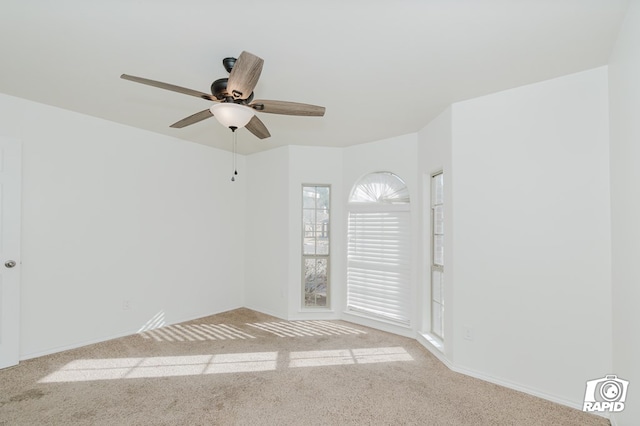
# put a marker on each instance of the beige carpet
(245, 368)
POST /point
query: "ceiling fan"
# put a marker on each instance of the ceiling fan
(234, 105)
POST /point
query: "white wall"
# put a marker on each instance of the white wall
(274, 225)
(624, 84)
(434, 155)
(112, 213)
(267, 232)
(316, 165)
(396, 155)
(531, 235)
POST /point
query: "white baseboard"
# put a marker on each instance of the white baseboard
(518, 387)
(314, 316)
(613, 420)
(49, 351)
(56, 349)
(435, 351)
(501, 382)
(267, 312)
(378, 324)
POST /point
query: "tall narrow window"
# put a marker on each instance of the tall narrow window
(315, 245)
(437, 255)
(378, 252)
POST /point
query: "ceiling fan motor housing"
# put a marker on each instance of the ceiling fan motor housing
(219, 90)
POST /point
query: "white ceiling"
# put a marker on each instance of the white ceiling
(381, 68)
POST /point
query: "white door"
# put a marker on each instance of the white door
(10, 173)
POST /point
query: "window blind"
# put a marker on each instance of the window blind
(378, 263)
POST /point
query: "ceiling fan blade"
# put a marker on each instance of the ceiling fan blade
(168, 86)
(257, 127)
(288, 108)
(244, 75)
(192, 119)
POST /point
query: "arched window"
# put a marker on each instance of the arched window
(378, 253)
(380, 188)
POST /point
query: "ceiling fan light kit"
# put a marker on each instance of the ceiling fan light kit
(234, 107)
(232, 115)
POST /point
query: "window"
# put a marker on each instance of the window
(437, 255)
(378, 253)
(315, 245)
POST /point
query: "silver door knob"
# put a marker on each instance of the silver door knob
(10, 263)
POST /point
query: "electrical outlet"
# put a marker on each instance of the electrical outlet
(126, 305)
(468, 333)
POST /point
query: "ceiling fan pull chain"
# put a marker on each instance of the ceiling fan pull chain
(233, 155)
(234, 151)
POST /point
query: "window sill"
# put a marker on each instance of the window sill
(316, 310)
(434, 341)
(379, 324)
(378, 319)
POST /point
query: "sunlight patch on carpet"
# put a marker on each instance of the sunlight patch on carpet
(83, 370)
(168, 366)
(348, 357)
(195, 332)
(305, 328)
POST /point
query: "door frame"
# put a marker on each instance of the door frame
(10, 203)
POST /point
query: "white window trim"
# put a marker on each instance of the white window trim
(433, 266)
(403, 270)
(303, 307)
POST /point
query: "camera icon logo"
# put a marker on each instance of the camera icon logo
(605, 394)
